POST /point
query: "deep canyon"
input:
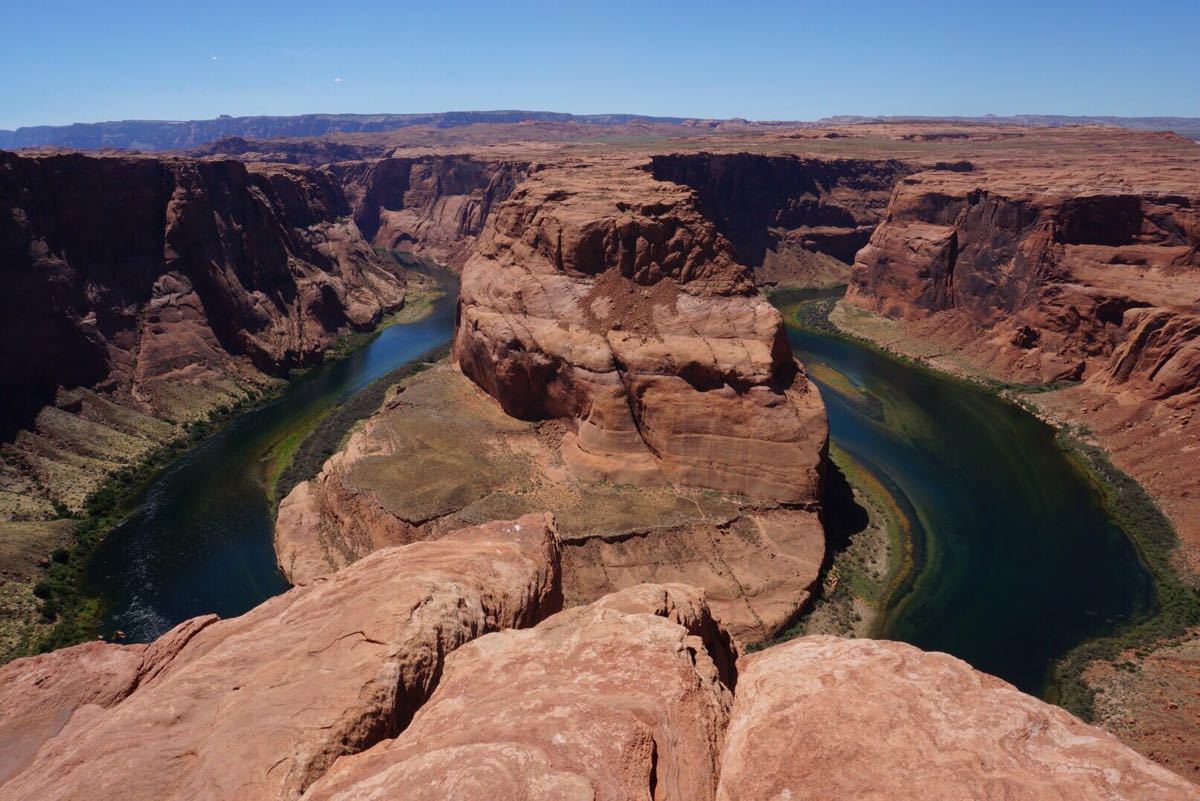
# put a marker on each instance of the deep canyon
(623, 494)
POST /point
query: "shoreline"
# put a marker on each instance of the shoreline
(63, 612)
(1136, 511)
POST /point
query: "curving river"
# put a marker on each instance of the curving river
(201, 537)
(1015, 559)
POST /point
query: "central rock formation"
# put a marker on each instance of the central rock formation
(603, 297)
(604, 312)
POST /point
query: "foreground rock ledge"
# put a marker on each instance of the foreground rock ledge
(622, 699)
(827, 718)
(259, 706)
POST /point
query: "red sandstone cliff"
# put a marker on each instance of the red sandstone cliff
(169, 285)
(433, 205)
(1090, 276)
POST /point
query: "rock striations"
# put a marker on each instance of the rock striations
(1056, 280)
(148, 292)
(143, 275)
(603, 297)
(434, 205)
(792, 220)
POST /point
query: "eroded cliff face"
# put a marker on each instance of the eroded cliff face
(170, 285)
(1084, 281)
(791, 219)
(603, 297)
(433, 205)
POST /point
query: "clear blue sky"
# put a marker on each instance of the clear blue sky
(67, 61)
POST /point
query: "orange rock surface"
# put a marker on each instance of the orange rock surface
(624, 699)
(822, 718)
(259, 706)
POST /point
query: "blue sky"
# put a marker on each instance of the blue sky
(87, 61)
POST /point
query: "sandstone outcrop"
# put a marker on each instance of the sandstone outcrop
(821, 718)
(259, 706)
(1094, 277)
(441, 454)
(624, 699)
(603, 297)
(403, 676)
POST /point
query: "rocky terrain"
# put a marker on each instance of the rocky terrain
(1086, 271)
(435, 206)
(615, 365)
(383, 681)
(792, 220)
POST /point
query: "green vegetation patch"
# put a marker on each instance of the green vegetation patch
(67, 611)
(1178, 603)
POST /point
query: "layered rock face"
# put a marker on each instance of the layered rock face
(603, 297)
(258, 707)
(168, 286)
(441, 454)
(791, 219)
(434, 205)
(144, 274)
(1099, 278)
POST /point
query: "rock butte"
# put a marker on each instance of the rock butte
(625, 369)
(366, 685)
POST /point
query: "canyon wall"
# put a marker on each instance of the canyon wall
(435, 206)
(1054, 282)
(791, 219)
(168, 286)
